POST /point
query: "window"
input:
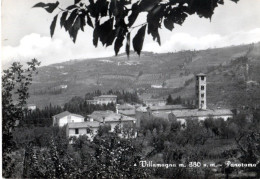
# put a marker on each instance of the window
(76, 131)
(202, 95)
(88, 131)
(202, 87)
(202, 102)
(202, 78)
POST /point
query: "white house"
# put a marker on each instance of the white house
(76, 129)
(66, 117)
(31, 107)
(154, 102)
(103, 99)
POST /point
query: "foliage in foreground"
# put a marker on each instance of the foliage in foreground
(114, 20)
(15, 85)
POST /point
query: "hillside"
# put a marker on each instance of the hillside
(152, 74)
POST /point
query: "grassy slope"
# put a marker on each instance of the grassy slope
(173, 69)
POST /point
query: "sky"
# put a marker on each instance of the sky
(25, 33)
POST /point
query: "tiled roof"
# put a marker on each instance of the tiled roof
(66, 113)
(201, 74)
(109, 116)
(197, 112)
(153, 100)
(166, 107)
(125, 107)
(107, 96)
(93, 124)
(142, 109)
(193, 113)
(127, 112)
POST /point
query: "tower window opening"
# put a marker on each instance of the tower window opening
(202, 78)
(202, 87)
(76, 131)
(202, 95)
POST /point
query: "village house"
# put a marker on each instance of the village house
(31, 107)
(66, 117)
(126, 109)
(99, 118)
(103, 99)
(89, 129)
(154, 102)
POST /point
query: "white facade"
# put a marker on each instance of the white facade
(66, 117)
(201, 91)
(105, 99)
(31, 107)
(76, 132)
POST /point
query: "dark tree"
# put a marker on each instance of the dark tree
(15, 85)
(113, 20)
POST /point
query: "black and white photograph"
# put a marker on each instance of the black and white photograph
(122, 89)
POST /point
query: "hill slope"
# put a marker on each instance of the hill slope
(151, 74)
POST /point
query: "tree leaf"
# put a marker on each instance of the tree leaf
(111, 37)
(118, 43)
(89, 21)
(82, 22)
(127, 46)
(40, 4)
(113, 8)
(104, 30)
(168, 23)
(53, 25)
(95, 34)
(73, 31)
(69, 22)
(134, 14)
(138, 40)
(63, 18)
(49, 7)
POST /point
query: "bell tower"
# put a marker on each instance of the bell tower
(201, 91)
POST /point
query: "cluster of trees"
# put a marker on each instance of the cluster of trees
(122, 96)
(125, 96)
(171, 101)
(80, 106)
(203, 140)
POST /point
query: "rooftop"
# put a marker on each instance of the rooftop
(129, 112)
(109, 116)
(106, 96)
(93, 124)
(201, 74)
(194, 113)
(166, 107)
(125, 107)
(153, 100)
(66, 113)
